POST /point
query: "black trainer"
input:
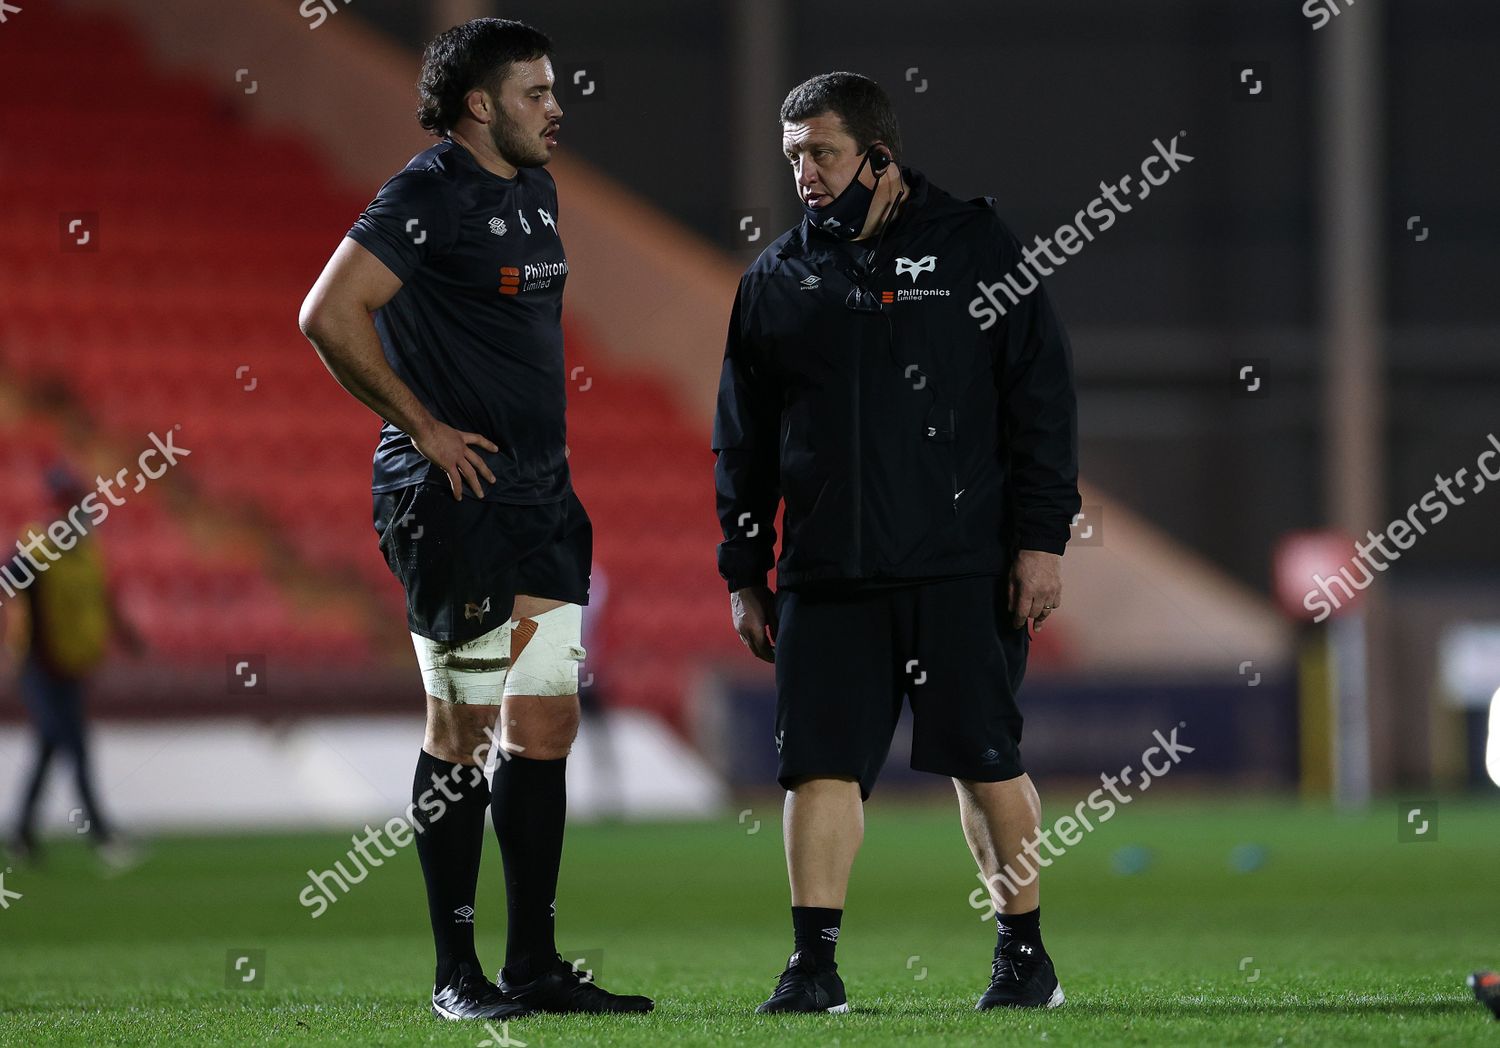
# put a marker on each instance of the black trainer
(805, 987)
(565, 989)
(1022, 976)
(1486, 987)
(469, 995)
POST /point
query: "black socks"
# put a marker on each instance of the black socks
(1020, 927)
(448, 813)
(815, 930)
(530, 806)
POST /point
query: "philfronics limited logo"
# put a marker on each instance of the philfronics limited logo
(539, 270)
(533, 276)
(914, 294)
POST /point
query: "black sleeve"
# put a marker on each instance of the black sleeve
(1040, 411)
(412, 220)
(747, 470)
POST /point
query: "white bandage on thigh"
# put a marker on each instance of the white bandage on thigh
(468, 674)
(545, 653)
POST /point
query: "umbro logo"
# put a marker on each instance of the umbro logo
(465, 915)
(831, 934)
(927, 264)
(810, 283)
(990, 754)
(477, 611)
(498, 227)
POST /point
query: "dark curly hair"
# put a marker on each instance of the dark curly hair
(858, 101)
(477, 53)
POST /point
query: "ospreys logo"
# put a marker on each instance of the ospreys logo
(905, 266)
(914, 269)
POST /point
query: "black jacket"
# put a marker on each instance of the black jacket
(906, 440)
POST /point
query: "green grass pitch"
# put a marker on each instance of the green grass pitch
(1342, 936)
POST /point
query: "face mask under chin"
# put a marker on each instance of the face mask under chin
(844, 216)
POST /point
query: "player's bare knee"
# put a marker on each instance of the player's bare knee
(456, 733)
(541, 728)
(446, 745)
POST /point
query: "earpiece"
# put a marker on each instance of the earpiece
(878, 161)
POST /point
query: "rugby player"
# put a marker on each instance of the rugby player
(460, 260)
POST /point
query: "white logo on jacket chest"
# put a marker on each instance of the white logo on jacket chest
(927, 264)
(497, 227)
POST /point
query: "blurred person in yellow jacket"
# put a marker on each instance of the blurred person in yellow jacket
(57, 627)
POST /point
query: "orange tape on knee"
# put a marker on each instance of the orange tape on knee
(520, 635)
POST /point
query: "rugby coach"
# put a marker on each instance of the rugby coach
(928, 469)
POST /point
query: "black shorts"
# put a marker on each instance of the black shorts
(463, 562)
(845, 661)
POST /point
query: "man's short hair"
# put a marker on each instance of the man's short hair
(478, 53)
(858, 101)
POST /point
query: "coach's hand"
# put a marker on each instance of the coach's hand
(1035, 587)
(449, 450)
(754, 609)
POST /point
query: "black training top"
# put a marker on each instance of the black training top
(476, 329)
(910, 424)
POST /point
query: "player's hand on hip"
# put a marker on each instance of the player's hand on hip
(754, 611)
(452, 451)
(1035, 587)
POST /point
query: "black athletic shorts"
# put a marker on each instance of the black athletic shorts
(463, 562)
(844, 662)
